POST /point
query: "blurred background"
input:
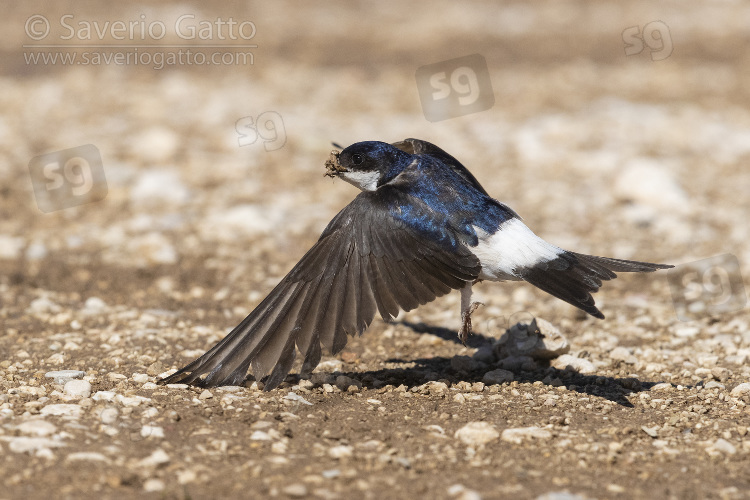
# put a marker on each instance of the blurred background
(208, 149)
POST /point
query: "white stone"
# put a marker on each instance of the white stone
(645, 181)
(77, 388)
(153, 484)
(724, 446)
(90, 456)
(341, 451)
(43, 305)
(662, 386)
(477, 433)
(295, 490)
(94, 304)
(11, 246)
(152, 431)
(296, 397)
(131, 400)
(104, 396)
(25, 444)
(36, 427)
(622, 354)
(140, 378)
(159, 186)
(63, 376)
(740, 390)
(62, 410)
(158, 457)
(260, 436)
(518, 434)
(567, 361)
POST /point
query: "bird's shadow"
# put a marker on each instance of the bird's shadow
(439, 368)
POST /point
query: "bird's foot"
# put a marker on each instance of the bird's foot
(465, 331)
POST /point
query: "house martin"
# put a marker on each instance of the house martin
(421, 227)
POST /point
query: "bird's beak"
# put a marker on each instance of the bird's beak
(333, 167)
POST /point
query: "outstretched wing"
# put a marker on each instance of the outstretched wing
(367, 259)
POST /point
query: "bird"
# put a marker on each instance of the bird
(421, 227)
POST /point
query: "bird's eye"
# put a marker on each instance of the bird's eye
(357, 159)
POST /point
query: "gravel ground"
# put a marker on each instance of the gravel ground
(641, 156)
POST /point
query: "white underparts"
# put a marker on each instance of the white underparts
(513, 246)
(364, 180)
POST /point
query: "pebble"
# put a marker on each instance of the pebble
(341, 451)
(647, 182)
(77, 388)
(330, 365)
(62, 410)
(622, 354)
(25, 444)
(152, 431)
(94, 305)
(153, 484)
(343, 382)
(43, 305)
(477, 434)
(159, 186)
(63, 376)
(570, 362)
(561, 495)
(131, 400)
(460, 492)
(157, 457)
(11, 246)
(518, 434)
(296, 397)
(90, 456)
(724, 446)
(498, 376)
(295, 490)
(662, 386)
(104, 396)
(651, 431)
(538, 340)
(260, 436)
(36, 427)
(140, 378)
(740, 390)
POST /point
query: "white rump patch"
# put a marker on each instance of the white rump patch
(364, 180)
(513, 246)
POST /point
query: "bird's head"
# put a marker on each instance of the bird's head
(368, 165)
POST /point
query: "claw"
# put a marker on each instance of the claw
(465, 331)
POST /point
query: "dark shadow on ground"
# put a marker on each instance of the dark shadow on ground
(476, 340)
(422, 370)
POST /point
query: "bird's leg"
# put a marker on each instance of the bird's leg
(467, 308)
